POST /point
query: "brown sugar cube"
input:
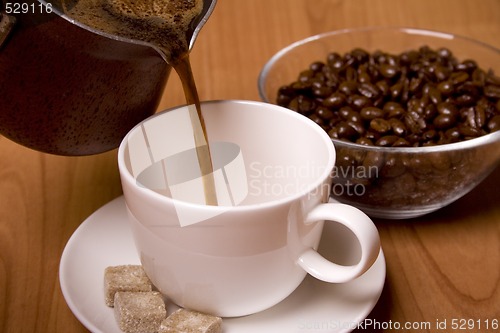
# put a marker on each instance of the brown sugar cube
(139, 312)
(124, 278)
(187, 321)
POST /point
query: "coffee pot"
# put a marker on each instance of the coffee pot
(67, 89)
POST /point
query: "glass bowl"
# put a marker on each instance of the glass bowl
(390, 181)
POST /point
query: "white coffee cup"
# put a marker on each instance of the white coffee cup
(273, 184)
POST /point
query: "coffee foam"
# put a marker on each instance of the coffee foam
(163, 23)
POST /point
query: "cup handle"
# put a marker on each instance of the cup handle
(364, 230)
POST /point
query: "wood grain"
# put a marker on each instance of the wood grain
(441, 266)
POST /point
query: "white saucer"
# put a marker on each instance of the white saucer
(104, 239)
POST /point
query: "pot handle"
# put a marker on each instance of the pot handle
(7, 23)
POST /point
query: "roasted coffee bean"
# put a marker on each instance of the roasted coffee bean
(401, 142)
(416, 84)
(476, 117)
(293, 105)
(369, 90)
(351, 74)
(373, 159)
(283, 99)
(372, 135)
(458, 77)
(371, 112)
(358, 101)
(441, 73)
(479, 77)
(364, 141)
(447, 108)
(434, 95)
(430, 112)
(397, 127)
(387, 141)
(396, 113)
(358, 127)
(322, 92)
(415, 122)
(444, 53)
(445, 87)
(464, 100)
(389, 106)
(452, 135)
(430, 135)
(467, 65)
(346, 131)
(383, 86)
(334, 60)
(394, 109)
(344, 112)
(333, 133)
(345, 161)
(417, 98)
(417, 105)
(380, 125)
(491, 78)
(317, 66)
(334, 121)
(468, 131)
(492, 91)
(349, 114)
(348, 87)
(287, 90)
(360, 55)
(494, 123)
(444, 121)
(396, 90)
(409, 57)
(393, 167)
(306, 76)
(317, 119)
(364, 77)
(440, 161)
(389, 70)
(331, 77)
(335, 100)
(324, 113)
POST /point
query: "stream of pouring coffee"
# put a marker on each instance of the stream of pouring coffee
(164, 24)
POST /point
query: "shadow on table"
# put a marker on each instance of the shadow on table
(380, 315)
(476, 206)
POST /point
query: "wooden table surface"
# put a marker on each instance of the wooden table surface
(443, 266)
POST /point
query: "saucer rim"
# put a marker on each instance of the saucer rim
(380, 266)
